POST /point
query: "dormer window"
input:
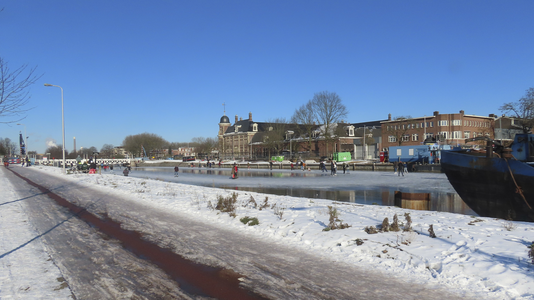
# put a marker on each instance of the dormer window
(351, 130)
(255, 127)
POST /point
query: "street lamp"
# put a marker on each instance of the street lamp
(62, 122)
(290, 132)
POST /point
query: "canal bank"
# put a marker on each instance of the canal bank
(351, 166)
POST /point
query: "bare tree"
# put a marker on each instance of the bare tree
(522, 110)
(274, 137)
(204, 146)
(14, 92)
(9, 146)
(328, 110)
(305, 117)
(151, 143)
(106, 151)
(56, 152)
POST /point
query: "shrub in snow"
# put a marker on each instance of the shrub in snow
(395, 225)
(334, 221)
(227, 204)
(370, 230)
(251, 202)
(278, 211)
(408, 226)
(385, 225)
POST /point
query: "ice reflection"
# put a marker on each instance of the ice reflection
(446, 202)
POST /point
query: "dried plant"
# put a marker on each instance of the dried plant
(431, 231)
(385, 225)
(408, 226)
(265, 203)
(395, 225)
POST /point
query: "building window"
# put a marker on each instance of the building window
(432, 124)
(443, 123)
(254, 127)
(429, 135)
(466, 134)
(415, 137)
(392, 139)
(405, 137)
(456, 134)
(444, 134)
(456, 122)
(351, 130)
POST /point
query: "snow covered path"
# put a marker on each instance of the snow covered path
(96, 267)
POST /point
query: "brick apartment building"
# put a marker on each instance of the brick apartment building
(451, 129)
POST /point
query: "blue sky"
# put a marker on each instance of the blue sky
(166, 67)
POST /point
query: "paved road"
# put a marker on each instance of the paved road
(97, 267)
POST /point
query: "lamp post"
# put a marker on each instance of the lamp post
(62, 122)
(25, 138)
(364, 146)
(290, 132)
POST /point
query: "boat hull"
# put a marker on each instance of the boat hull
(488, 187)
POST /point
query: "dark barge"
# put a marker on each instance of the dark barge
(496, 182)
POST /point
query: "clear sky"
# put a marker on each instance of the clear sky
(166, 67)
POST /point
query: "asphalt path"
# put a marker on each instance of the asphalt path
(99, 267)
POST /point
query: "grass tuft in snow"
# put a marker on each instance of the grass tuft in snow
(249, 221)
(509, 225)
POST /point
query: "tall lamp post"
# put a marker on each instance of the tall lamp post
(62, 122)
(290, 132)
(25, 139)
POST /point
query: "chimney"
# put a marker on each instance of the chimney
(462, 112)
(436, 113)
(236, 118)
(75, 145)
(250, 116)
(389, 117)
(240, 119)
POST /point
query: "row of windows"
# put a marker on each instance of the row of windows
(440, 123)
(444, 134)
(466, 123)
(410, 126)
(406, 137)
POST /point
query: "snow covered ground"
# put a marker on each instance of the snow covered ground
(484, 257)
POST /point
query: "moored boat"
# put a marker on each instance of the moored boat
(497, 182)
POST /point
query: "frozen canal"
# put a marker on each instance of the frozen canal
(362, 187)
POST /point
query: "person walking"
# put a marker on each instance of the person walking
(176, 169)
(400, 168)
(344, 168)
(125, 172)
(332, 167)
